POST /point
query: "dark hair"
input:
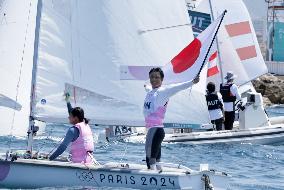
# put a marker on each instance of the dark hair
(211, 87)
(79, 112)
(230, 80)
(159, 70)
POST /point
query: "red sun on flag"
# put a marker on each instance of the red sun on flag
(183, 61)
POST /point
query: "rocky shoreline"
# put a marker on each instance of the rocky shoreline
(271, 87)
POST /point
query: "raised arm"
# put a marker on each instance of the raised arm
(171, 90)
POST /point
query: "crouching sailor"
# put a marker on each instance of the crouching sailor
(155, 105)
(80, 137)
(230, 94)
(215, 106)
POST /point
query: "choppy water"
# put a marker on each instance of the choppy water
(253, 167)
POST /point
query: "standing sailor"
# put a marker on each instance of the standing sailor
(230, 93)
(80, 137)
(155, 106)
(215, 106)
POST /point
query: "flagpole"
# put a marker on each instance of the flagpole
(217, 44)
(212, 42)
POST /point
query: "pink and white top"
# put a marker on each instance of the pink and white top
(83, 145)
(155, 104)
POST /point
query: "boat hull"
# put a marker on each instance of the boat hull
(263, 135)
(39, 173)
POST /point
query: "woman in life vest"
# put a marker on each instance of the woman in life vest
(155, 106)
(80, 137)
(215, 106)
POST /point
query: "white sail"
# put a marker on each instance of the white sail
(238, 53)
(193, 4)
(84, 44)
(240, 31)
(17, 31)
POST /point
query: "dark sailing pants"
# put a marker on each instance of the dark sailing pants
(229, 120)
(153, 143)
(218, 123)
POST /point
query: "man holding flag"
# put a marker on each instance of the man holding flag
(180, 74)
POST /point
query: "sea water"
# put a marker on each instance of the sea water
(253, 167)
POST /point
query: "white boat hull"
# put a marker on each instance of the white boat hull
(26, 173)
(262, 135)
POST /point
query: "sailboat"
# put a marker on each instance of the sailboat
(239, 52)
(79, 47)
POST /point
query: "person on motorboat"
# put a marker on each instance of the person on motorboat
(215, 106)
(155, 106)
(230, 93)
(80, 136)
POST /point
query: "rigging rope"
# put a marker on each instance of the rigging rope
(48, 138)
(20, 76)
(125, 149)
(163, 28)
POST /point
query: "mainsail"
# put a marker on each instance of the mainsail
(17, 31)
(82, 46)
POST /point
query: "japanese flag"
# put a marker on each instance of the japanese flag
(188, 63)
(183, 67)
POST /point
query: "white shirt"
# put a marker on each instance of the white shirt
(217, 113)
(229, 106)
(156, 101)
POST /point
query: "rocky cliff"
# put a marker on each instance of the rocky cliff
(271, 87)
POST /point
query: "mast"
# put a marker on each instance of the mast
(31, 129)
(217, 43)
(215, 35)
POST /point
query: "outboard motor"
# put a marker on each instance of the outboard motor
(254, 114)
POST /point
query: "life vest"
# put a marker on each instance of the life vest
(226, 93)
(213, 101)
(83, 145)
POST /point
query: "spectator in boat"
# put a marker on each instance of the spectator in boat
(155, 106)
(230, 93)
(215, 106)
(80, 136)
